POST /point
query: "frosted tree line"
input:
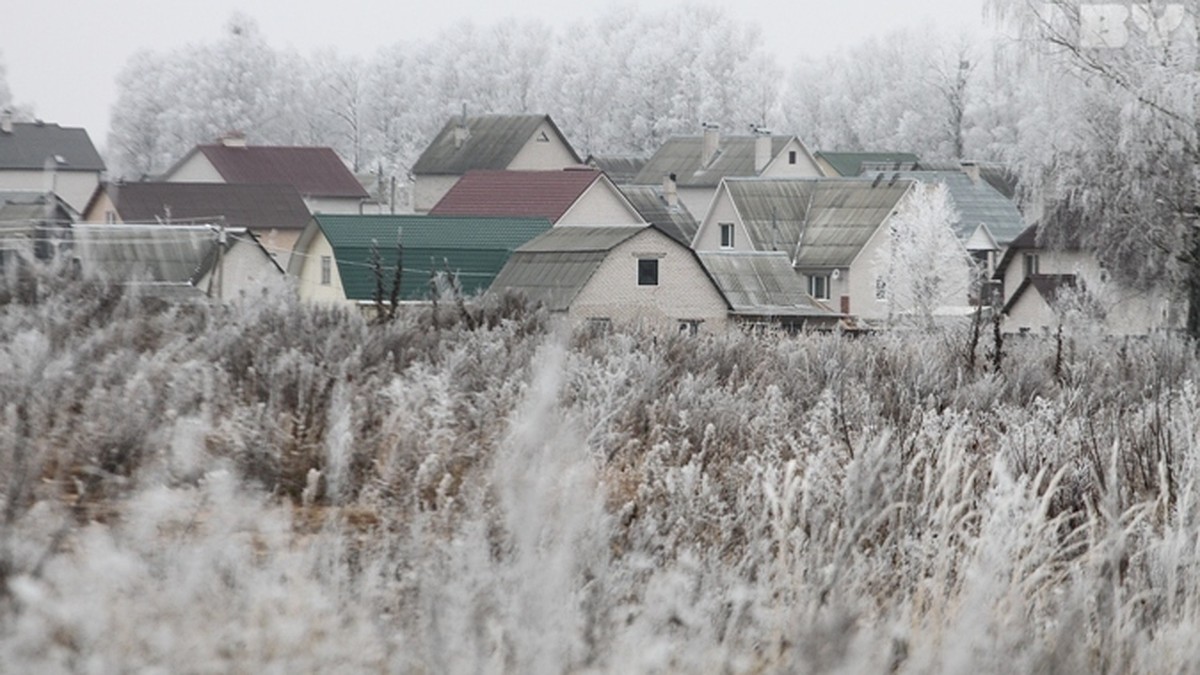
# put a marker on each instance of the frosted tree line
(618, 84)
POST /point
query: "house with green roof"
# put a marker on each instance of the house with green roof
(332, 260)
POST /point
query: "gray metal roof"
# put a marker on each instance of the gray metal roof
(35, 145)
(619, 169)
(682, 155)
(977, 203)
(171, 254)
(650, 204)
(492, 143)
(852, 163)
(761, 284)
(824, 222)
(556, 265)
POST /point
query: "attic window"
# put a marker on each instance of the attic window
(326, 270)
(791, 157)
(726, 235)
(647, 272)
(1031, 264)
(543, 138)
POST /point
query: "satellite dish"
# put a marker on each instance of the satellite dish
(837, 274)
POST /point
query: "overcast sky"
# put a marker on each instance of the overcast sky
(62, 56)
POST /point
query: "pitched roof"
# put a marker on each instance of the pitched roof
(1049, 286)
(518, 194)
(145, 253)
(312, 171)
(555, 266)
(492, 142)
(761, 284)
(683, 155)
(823, 222)
(849, 164)
(252, 206)
(621, 169)
(650, 204)
(473, 248)
(32, 145)
(977, 203)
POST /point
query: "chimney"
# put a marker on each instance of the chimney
(762, 149)
(670, 193)
(233, 139)
(972, 170)
(461, 132)
(6, 121)
(712, 141)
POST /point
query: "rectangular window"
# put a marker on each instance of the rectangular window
(1031, 264)
(791, 157)
(818, 286)
(326, 270)
(647, 271)
(726, 235)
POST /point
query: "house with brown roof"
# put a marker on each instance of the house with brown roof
(487, 142)
(696, 165)
(1045, 283)
(43, 157)
(274, 213)
(576, 195)
(316, 173)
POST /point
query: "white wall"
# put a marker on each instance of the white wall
(428, 191)
(601, 204)
(684, 291)
(803, 168)
(246, 273)
(708, 237)
(197, 169)
(310, 287)
(73, 187)
(348, 205)
(547, 155)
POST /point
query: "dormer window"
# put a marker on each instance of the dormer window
(726, 235)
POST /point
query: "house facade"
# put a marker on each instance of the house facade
(694, 166)
(316, 173)
(617, 276)
(1043, 285)
(487, 142)
(41, 157)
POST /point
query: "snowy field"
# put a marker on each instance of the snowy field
(272, 488)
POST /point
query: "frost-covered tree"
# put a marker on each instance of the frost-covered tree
(925, 266)
(7, 102)
(1112, 147)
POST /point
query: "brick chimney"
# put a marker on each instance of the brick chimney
(712, 142)
(670, 190)
(6, 121)
(972, 170)
(762, 149)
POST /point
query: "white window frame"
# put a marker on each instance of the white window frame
(819, 282)
(326, 270)
(727, 235)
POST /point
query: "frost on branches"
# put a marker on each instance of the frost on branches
(925, 272)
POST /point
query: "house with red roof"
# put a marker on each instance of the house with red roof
(318, 174)
(573, 196)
